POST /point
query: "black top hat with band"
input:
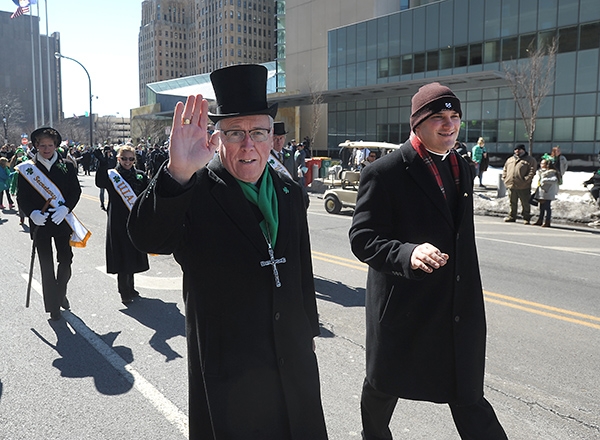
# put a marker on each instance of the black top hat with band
(279, 128)
(241, 90)
(45, 132)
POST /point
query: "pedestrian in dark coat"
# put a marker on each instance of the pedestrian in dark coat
(239, 231)
(122, 257)
(413, 226)
(49, 177)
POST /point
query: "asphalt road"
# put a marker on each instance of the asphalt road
(109, 371)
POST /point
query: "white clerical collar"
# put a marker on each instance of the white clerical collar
(442, 155)
(47, 162)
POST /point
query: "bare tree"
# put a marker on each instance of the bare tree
(105, 128)
(316, 108)
(150, 130)
(11, 113)
(74, 130)
(531, 80)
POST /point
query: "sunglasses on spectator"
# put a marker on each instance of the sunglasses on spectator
(130, 159)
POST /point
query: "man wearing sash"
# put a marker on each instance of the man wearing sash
(49, 177)
(239, 231)
(123, 183)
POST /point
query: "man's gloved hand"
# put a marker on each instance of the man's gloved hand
(38, 218)
(59, 214)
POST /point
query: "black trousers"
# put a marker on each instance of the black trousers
(54, 284)
(473, 422)
(125, 285)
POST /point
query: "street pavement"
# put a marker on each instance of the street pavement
(110, 371)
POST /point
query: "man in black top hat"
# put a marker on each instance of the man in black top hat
(284, 155)
(239, 231)
(413, 226)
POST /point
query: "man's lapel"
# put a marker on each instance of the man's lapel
(228, 194)
(426, 181)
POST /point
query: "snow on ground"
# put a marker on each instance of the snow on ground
(573, 204)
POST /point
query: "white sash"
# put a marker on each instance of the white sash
(278, 166)
(49, 191)
(123, 188)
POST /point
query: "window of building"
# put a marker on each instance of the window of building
(407, 64)
(461, 56)
(527, 43)
(567, 39)
(510, 48)
(475, 54)
(589, 37)
(491, 52)
(383, 68)
(419, 64)
(446, 58)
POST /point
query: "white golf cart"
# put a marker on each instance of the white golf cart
(343, 188)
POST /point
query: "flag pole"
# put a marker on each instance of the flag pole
(40, 64)
(51, 109)
(34, 88)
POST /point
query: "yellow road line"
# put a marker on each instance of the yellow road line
(86, 196)
(495, 298)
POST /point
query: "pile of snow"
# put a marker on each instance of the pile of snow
(573, 204)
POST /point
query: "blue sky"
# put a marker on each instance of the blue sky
(102, 35)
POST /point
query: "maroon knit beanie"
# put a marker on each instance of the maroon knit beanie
(430, 99)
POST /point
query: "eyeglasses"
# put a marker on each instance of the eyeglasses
(257, 135)
(127, 159)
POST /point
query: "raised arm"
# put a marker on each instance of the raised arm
(190, 149)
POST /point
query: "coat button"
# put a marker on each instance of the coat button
(457, 278)
(281, 361)
(277, 316)
(465, 195)
(456, 318)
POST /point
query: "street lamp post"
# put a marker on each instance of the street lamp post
(59, 55)
(5, 122)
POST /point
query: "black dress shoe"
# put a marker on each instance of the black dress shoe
(134, 294)
(65, 303)
(55, 316)
(126, 299)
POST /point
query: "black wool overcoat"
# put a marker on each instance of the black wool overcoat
(121, 255)
(249, 342)
(425, 332)
(64, 175)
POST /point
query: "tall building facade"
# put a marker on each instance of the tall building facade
(179, 38)
(163, 43)
(30, 91)
(375, 66)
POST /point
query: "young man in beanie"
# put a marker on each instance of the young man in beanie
(239, 231)
(413, 226)
(517, 174)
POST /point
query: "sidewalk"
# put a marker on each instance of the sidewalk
(573, 205)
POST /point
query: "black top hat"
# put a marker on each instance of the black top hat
(279, 128)
(45, 132)
(241, 90)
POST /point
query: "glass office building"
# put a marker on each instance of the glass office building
(375, 67)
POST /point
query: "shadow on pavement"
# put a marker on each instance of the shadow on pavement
(164, 318)
(78, 359)
(339, 293)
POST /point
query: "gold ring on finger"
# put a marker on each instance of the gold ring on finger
(187, 121)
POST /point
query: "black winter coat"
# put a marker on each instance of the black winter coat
(252, 340)
(121, 254)
(425, 332)
(64, 175)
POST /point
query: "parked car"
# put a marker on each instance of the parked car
(342, 192)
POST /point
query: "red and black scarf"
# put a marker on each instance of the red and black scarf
(424, 154)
